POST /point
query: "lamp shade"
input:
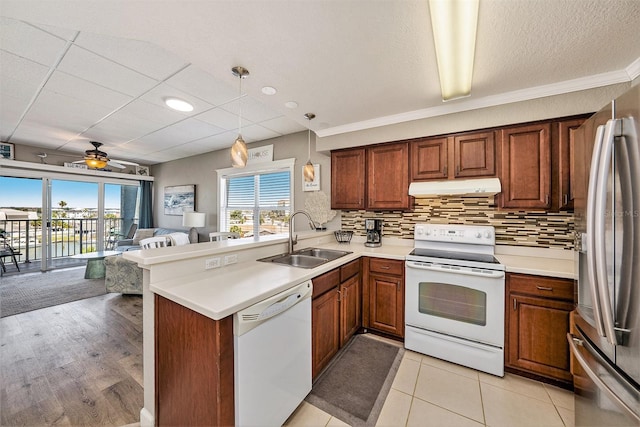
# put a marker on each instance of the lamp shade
(193, 219)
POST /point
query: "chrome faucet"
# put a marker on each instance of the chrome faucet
(292, 240)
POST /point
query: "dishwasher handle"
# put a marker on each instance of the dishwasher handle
(249, 318)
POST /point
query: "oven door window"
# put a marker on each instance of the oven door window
(453, 302)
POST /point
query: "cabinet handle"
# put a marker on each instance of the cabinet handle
(444, 171)
(339, 295)
(544, 288)
(546, 200)
(565, 199)
(385, 267)
(515, 304)
(457, 170)
(398, 286)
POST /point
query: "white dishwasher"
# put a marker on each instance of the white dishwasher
(272, 344)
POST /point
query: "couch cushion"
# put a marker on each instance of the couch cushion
(178, 239)
(142, 233)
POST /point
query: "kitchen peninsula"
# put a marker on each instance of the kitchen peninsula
(176, 281)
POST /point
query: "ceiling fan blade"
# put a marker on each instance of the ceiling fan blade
(115, 164)
(125, 162)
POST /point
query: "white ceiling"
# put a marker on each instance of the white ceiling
(74, 71)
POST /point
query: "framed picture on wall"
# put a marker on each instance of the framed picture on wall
(179, 199)
(7, 151)
(142, 170)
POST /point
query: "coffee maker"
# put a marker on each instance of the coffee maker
(374, 232)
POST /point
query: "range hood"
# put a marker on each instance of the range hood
(457, 187)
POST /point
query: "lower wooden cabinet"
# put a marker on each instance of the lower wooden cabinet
(537, 322)
(335, 312)
(384, 295)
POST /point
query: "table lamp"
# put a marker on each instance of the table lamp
(193, 220)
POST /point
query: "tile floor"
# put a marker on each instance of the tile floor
(431, 392)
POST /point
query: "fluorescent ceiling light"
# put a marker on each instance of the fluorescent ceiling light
(454, 24)
(178, 104)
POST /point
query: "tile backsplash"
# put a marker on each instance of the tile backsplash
(516, 228)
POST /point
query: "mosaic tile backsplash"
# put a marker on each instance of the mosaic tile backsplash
(516, 228)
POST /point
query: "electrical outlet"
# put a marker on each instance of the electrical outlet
(230, 259)
(211, 263)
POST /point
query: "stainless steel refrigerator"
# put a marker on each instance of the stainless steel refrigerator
(605, 343)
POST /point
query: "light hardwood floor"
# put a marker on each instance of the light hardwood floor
(78, 363)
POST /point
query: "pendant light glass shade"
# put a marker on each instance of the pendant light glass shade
(308, 171)
(239, 153)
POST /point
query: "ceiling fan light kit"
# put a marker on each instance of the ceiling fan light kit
(239, 153)
(454, 24)
(95, 158)
(308, 171)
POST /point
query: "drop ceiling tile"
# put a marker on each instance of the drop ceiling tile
(162, 115)
(185, 131)
(282, 125)
(21, 69)
(44, 134)
(146, 58)
(29, 42)
(217, 142)
(122, 128)
(89, 66)
(63, 33)
(255, 133)
(157, 95)
(86, 91)
(203, 85)
(252, 109)
(220, 118)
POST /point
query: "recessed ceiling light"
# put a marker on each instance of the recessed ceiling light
(178, 104)
(269, 90)
(291, 104)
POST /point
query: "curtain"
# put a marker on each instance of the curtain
(146, 204)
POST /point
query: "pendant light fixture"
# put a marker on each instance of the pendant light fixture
(239, 148)
(308, 170)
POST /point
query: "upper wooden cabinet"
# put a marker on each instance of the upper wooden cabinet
(458, 156)
(348, 179)
(474, 155)
(381, 173)
(564, 161)
(526, 166)
(429, 159)
(388, 176)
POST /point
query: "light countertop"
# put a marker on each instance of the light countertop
(221, 292)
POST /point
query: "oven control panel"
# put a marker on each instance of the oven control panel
(470, 234)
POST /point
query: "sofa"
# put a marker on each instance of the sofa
(124, 276)
(142, 233)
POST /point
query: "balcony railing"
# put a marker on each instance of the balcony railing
(69, 236)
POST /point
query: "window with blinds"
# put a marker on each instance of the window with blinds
(256, 204)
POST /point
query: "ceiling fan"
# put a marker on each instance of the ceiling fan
(98, 159)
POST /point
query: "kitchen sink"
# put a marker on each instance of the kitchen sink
(306, 258)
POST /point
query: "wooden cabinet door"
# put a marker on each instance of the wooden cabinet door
(537, 338)
(348, 179)
(350, 302)
(429, 159)
(388, 176)
(475, 155)
(386, 304)
(526, 167)
(325, 318)
(566, 174)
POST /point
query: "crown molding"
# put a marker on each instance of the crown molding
(560, 88)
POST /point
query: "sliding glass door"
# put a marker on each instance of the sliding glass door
(53, 219)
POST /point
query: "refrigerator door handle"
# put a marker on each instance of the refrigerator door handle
(593, 376)
(600, 230)
(590, 235)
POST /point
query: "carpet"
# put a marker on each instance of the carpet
(26, 292)
(354, 386)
